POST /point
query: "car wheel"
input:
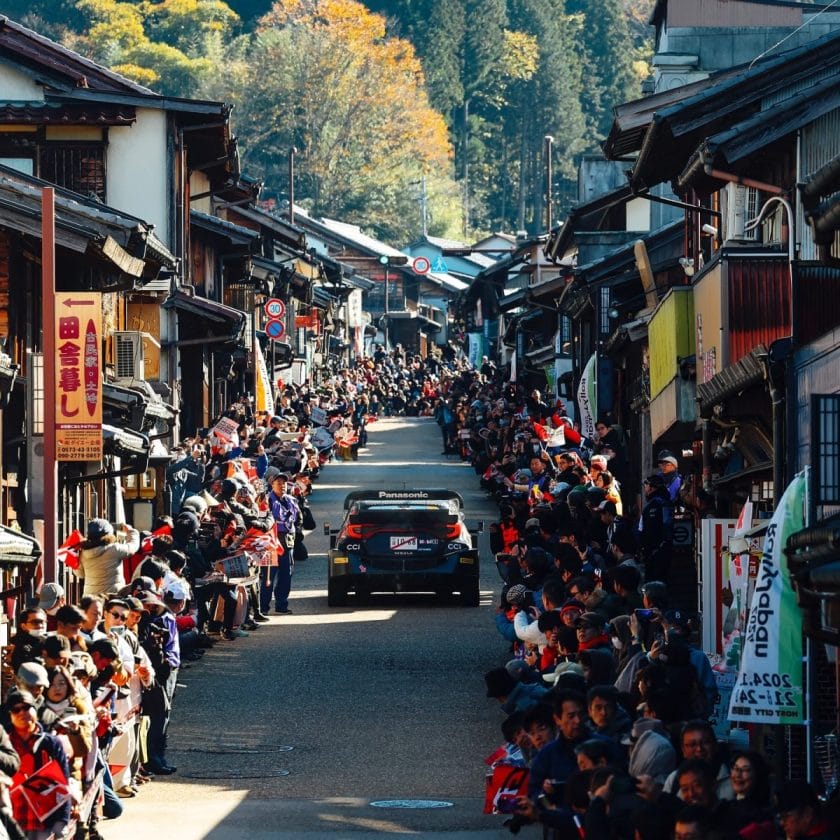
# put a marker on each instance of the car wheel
(470, 594)
(336, 594)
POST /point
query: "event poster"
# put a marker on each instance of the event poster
(769, 686)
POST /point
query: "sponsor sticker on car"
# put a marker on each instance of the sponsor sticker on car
(403, 543)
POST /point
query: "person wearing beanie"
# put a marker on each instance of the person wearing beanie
(102, 554)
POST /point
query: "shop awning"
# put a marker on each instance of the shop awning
(124, 243)
(17, 548)
(203, 317)
(743, 374)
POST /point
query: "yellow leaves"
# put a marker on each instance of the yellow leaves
(141, 75)
(521, 56)
(116, 25)
(348, 19)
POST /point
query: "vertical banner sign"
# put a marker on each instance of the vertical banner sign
(769, 686)
(264, 401)
(587, 397)
(78, 376)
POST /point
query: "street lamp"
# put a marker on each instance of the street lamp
(386, 260)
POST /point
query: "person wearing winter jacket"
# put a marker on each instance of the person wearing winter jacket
(35, 749)
(102, 554)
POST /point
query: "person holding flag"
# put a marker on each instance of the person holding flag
(39, 792)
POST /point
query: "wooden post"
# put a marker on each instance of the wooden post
(48, 346)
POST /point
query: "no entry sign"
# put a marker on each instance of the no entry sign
(275, 328)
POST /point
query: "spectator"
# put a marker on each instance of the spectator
(698, 741)
(800, 813)
(52, 597)
(655, 539)
(555, 762)
(750, 777)
(26, 643)
(277, 580)
(513, 695)
(35, 748)
(102, 554)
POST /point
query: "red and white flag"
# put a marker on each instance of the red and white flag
(68, 552)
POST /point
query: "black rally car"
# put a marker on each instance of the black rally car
(403, 540)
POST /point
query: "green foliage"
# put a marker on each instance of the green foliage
(322, 76)
(345, 86)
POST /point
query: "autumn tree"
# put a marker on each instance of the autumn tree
(322, 75)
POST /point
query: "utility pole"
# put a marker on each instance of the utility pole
(549, 145)
(424, 207)
(466, 151)
(292, 152)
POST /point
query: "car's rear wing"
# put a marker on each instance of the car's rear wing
(437, 495)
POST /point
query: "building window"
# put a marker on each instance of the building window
(825, 448)
(75, 166)
(605, 311)
(565, 335)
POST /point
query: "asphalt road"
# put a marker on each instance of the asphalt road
(297, 730)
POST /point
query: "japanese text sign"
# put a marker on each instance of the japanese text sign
(78, 376)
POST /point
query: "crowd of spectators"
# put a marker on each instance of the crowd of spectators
(93, 668)
(606, 699)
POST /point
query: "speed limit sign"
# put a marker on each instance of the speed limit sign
(275, 308)
(421, 265)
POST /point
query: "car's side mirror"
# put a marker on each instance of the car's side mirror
(326, 529)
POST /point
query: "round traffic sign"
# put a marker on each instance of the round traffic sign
(421, 265)
(275, 328)
(275, 308)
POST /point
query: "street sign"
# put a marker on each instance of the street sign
(78, 376)
(440, 266)
(421, 265)
(275, 308)
(275, 328)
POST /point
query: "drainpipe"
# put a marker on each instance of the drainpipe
(707, 455)
(778, 360)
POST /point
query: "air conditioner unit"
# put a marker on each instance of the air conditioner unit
(740, 205)
(129, 360)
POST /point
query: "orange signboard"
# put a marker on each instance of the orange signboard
(78, 376)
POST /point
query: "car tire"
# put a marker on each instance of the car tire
(336, 594)
(470, 594)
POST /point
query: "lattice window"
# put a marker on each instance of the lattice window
(825, 448)
(75, 166)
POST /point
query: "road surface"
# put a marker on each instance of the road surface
(297, 730)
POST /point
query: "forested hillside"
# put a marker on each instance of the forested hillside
(391, 104)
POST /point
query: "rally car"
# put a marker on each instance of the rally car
(400, 541)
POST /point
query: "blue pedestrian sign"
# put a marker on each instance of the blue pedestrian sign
(440, 267)
(275, 328)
